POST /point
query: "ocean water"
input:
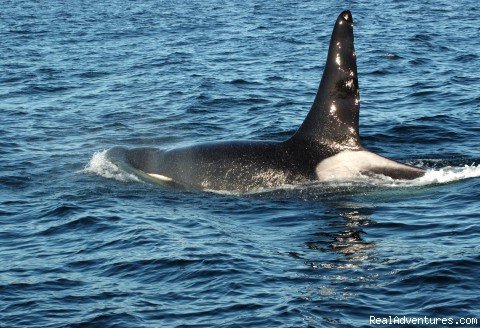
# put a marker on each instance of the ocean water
(84, 244)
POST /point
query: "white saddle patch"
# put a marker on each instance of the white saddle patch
(348, 164)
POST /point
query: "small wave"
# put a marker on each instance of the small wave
(393, 56)
(100, 165)
(92, 74)
(244, 82)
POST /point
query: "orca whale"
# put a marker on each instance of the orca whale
(326, 147)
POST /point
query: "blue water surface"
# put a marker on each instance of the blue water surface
(88, 248)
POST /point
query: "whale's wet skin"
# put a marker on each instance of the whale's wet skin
(325, 147)
(88, 239)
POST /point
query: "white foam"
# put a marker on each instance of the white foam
(444, 175)
(100, 165)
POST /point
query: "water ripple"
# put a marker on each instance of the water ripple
(84, 243)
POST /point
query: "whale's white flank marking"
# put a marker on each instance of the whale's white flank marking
(160, 177)
(348, 164)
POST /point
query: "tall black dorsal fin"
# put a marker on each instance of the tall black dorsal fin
(333, 118)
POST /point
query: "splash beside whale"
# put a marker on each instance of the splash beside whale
(326, 147)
